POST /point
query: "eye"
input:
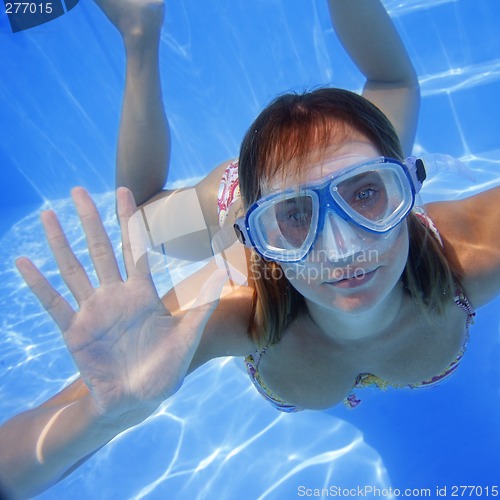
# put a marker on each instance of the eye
(365, 194)
(298, 216)
(294, 212)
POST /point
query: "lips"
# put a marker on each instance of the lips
(352, 280)
(348, 274)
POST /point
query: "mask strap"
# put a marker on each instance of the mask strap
(417, 170)
(436, 163)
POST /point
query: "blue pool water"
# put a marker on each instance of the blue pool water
(60, 93)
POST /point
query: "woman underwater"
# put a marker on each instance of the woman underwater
(347, 286)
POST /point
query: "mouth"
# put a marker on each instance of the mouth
(353, 280)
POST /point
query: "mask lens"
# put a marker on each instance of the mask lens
(294, 219)
(374, 198)
(285, 224)
(365, 194)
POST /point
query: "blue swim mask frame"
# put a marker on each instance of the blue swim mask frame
(374, 195)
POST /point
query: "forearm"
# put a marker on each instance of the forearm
(371, 40)
(143, 142)
(39, 446)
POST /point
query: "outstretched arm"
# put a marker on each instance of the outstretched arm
(371, 40)
(130, 352)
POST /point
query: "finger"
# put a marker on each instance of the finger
(98, 243)
(72, 271)
(62, 313)
(134, 235)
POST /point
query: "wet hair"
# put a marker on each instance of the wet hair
(279, 143)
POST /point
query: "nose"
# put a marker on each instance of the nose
(340, 239)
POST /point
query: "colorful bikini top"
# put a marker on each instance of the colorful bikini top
(363, 379)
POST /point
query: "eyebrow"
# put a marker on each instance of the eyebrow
(360, 177)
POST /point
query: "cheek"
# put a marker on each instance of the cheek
(402, 243)
(294, 272)
(395, 257)
(302, 277)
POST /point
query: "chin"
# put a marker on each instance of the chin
(351, 304)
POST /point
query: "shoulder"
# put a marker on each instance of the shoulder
(471, 237)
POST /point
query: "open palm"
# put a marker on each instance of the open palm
(130, 351)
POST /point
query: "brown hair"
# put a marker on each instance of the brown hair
(285, 133)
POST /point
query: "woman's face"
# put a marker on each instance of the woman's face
(357, 280)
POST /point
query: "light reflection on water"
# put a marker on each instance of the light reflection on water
(455, 79)
(400, 8)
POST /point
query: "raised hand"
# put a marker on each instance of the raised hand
(131, 353)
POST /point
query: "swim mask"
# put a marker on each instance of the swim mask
(351, 209)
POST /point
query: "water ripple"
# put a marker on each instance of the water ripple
(400, 8)
(453, 79)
